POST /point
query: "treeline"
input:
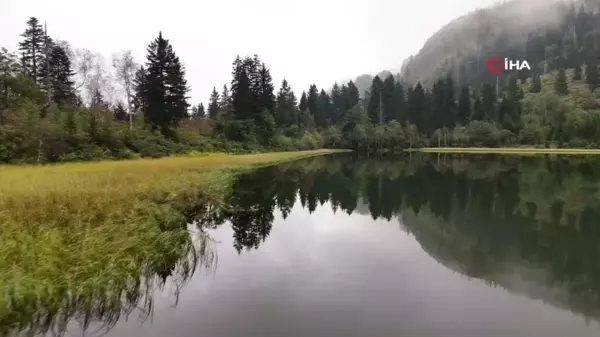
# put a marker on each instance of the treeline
(46, 115)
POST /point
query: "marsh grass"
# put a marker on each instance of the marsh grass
(509, 150)
(88, 235)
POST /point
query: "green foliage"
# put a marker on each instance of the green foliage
(560, 86)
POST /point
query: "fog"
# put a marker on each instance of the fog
(306, 41)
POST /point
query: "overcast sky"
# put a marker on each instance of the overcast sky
(308, 41)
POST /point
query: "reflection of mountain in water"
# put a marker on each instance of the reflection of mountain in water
(526, 224)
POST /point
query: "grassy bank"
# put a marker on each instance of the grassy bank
(515, 150)
(85, 230)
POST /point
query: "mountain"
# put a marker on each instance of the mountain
(463, 45)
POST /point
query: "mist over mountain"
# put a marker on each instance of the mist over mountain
(463, 44)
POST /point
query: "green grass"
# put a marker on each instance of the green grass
(87, 233)
(508, 150)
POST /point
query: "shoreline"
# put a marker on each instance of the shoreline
(506, 150)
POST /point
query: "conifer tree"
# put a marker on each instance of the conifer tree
(120, 112)
(536, 84)
(560, 85)
(449, 102)
(352, 96)
(323, 115)
(201, 111)
(389, 99)
(225, 101)
(241, 93)
(464, 105)
(140, 91)
(577, 74)
(338, 104)
(400, 98)
(312, 100)
(32, 50)
(194, 112)
(285, 107)
(213, 104)
(478, 110)
(60, 77)
(303, 104)
(266, 90)
(166, 87)
(417, 105)
(374, 105)
(591, 73)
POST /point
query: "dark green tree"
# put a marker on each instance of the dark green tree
(60, 77)
(351, 96)
(389, 100)
(166, 87)
(401, 115)
(577, 74)
(312, 100)
(140, 91)
(338, 105)
(286, 113)
(213, 104)
(32, 50)
(324, 113)
(120, 112)
(303, 104)
(375, 107)
(201, 111)
(450, 103)
(560, 84)
(225, 102)
(591, 73)
(464, 105)
(536, 84)
(417, 106)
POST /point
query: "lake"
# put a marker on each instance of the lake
(414, 245)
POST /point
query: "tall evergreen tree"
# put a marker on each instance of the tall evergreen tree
(201, 111)
(352, 96)
(464, 105)
(560, 84)
(213, 104)
(312, 99)
(285, 108)
(32, 50)
(140, 90)
(324, 109)
(438, 108)
(450, 103)
(591, 73)
(401, 115)
(488, 102)
(267, 95)
(225, 101)
(478, 109)
(120, 112)
(389, 99)
(375, 107)
(166, 87)
(417, 106)
(338, 104)
(303, 104)
(241, 92)
(63, 92)
(536, 84)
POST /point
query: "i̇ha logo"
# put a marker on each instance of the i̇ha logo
(496, 63)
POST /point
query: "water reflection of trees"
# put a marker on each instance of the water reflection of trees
(487, 218)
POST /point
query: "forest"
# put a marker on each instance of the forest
(59, 103)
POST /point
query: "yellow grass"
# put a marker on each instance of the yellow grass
(515, 150)
(88, 228)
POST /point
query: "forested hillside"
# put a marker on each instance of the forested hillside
(57, 102)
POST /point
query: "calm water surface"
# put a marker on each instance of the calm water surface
(395, 246)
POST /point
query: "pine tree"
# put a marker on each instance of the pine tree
(449, 102)
(536, 84)
(285, 107)
(98, 101)
(241, 94)
(225, 99)
(267, 96)
(591, 73)
(351, 96)
(32, 49)
(166, 87)
(389, 99)
(417, 105)
(213, 104)
(374, 107)
(401, 115)
(140, 91)
(437, 119)
(194, 112)
(303, 104)
(324, 108)
(312, 100)
(338, 104)
(488, 102)
(60, 77)
(478, 110)
(120, 112)
(464, 106)
(201, 111)
(560, 85)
